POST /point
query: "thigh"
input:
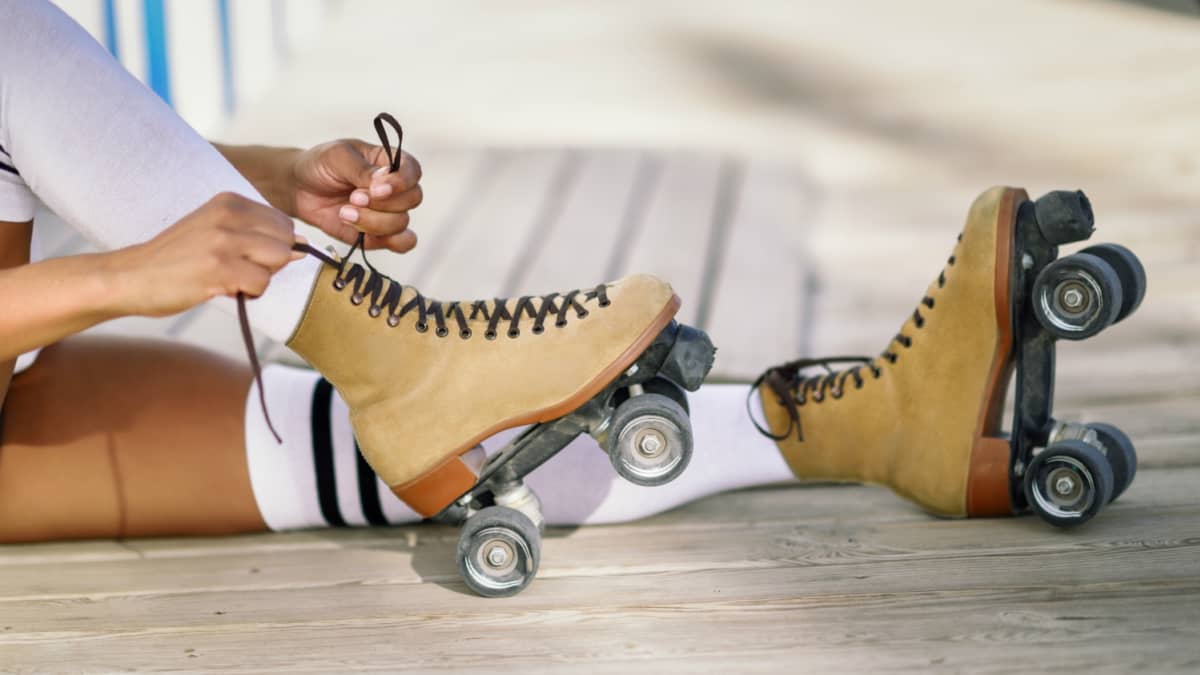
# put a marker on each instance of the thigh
(111, 437)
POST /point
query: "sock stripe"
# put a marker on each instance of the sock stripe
(368, 491)
(322, 440)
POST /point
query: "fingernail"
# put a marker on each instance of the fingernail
(360, 198)
(380, 190)
(348, 214)
(381, 171)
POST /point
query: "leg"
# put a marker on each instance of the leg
(316, 478)
(109, 156)
(110, 437)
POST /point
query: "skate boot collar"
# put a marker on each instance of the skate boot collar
(793, 388)
(394, 158)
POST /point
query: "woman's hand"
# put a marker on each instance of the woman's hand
(343, 187)
(231, 244)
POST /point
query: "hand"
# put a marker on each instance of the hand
(343, 187)
(231, 244)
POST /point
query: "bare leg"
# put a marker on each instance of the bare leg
(109, 437)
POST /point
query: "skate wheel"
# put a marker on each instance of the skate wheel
(1077, 296)
(659, 385)
(1120, 453)
(650, 440)
(1068, 483)
(498, 552)
(1129, 269)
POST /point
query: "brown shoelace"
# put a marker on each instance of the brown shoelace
(243, 320)
(794, 388)
(387, 294)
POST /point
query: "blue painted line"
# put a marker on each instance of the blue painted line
(226, 55)
(111, 41)
(158, 72)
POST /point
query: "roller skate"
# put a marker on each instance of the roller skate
(924, 417)
(426, 381)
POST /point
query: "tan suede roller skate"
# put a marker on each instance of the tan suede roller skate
(924, 416)
(426, 381)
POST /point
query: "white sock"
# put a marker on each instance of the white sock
(107, 155)
(317, 478)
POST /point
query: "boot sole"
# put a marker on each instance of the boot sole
(988, 483)
(434, 490)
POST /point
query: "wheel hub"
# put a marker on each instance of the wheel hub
(1064, 485)
(650, 443)
(498, 556)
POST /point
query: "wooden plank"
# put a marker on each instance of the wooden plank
(672, 240)
(758, 530)
(489, 241)
(692, 616)
(1031, 629)
(580, 242)
(762, 299)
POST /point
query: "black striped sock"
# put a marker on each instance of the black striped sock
(325, 466)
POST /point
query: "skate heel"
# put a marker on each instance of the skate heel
(1064, 216)
(690, 358)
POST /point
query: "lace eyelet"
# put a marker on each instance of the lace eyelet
(375, 311)
(514, 333)
(538, 330)
(490, 334)
(583, 313)
(465, 333)
(442, 332)
(836, 393)
(339, 284)
(393, 320)
(422, 327)
(605, 302)
(858, 385)
(356, 299)
(559, 324)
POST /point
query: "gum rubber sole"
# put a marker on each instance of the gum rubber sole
(988, 483)
(438, 487)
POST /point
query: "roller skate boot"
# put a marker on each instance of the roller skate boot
(924, 417)
(426, 381)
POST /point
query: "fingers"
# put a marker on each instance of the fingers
(399, 243)
(349, 163)
(378, 223)
(267, 251)
(244, 276)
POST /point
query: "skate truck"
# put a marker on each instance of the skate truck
(1065, 472)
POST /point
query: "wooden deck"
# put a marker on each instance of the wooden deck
(808, 578)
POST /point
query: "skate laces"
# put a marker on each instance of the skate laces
(243, 320)
(794, 387)
(368, 283)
